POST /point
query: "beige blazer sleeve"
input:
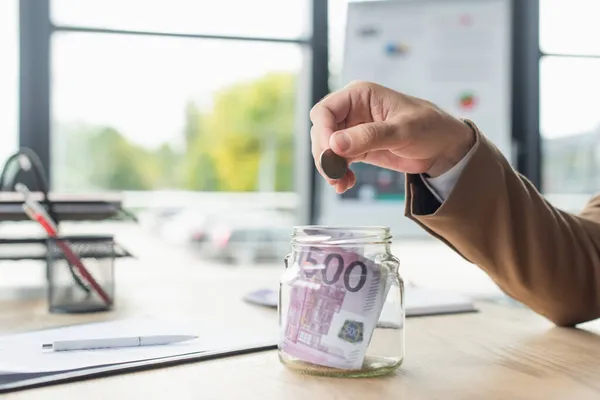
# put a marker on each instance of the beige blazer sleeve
(545, 258)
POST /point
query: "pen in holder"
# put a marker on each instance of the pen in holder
(92, 289)
(79, 272)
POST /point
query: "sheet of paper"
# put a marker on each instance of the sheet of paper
(423, 301)
(22, 353)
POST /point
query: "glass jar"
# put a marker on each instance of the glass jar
(341, 303)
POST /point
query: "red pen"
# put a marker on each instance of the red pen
(37, 213)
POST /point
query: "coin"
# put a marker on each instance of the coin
(333, 165)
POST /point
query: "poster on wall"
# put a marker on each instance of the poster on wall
(455, 53)
(374, 183)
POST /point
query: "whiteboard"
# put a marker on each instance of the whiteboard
(455, 53)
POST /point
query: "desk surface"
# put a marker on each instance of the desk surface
(499, 353)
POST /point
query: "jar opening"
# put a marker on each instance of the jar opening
(340, 235)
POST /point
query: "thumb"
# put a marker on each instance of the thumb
(362, 138)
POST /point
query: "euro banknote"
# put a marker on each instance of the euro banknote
(335, 301)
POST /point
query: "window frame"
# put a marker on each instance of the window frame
(35, 122)
(526, 89)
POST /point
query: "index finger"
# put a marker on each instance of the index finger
(323, 125)
(332, 110)
(328, 116)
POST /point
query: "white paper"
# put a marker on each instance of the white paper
(22, 353)
(423, 301)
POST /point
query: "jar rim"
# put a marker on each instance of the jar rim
(336, 235)
(344, 227)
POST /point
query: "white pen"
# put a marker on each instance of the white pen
(109, 343)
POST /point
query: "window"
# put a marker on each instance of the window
(259, 18)
(9, 98)
(569, 27)
(149, 112)
(570, 124)
(569, 94)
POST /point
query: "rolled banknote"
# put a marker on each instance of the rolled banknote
(335, 301)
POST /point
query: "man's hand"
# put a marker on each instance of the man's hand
(366, 122)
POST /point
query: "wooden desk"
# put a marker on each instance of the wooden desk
(500, 353)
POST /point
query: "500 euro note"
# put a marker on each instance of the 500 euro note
(334, 305)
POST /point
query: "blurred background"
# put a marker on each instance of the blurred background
(196, 112)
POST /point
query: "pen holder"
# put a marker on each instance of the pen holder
(81, 274)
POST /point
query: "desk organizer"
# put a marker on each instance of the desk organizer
(80, 269)
(69, 291)
(81, 274)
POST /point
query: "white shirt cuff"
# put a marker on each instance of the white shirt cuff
(441, 186)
